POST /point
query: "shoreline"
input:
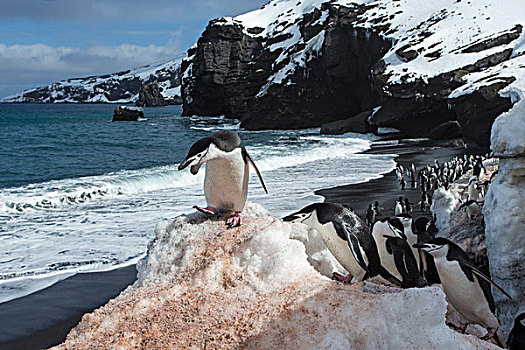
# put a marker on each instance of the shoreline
(61, 306)
(387, 189)
(44, 318)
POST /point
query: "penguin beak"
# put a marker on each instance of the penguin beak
(195, 166)
(420, 245)
(185, 163)
(291, 218)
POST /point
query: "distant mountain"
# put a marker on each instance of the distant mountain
(151, 85)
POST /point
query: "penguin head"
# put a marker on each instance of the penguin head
(437, 247)
(421, 224)
(303, 216)
(316, 214)
(196, 155)
(218, 145)
(397, 227)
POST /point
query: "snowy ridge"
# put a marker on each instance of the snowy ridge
(450, 35)
(435, 33)
(120, 87)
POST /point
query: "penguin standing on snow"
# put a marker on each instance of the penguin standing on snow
(227, 173)
(346, 237)
(473, 191)
(472, 207)
(464, 285)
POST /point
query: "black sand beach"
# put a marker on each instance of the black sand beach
(387, 189)
(44, 318)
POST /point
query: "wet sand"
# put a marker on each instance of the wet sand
(387, 189)
(44, 318)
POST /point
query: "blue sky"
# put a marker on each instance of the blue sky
(42, 41)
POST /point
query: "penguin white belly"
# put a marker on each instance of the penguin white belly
(411, 240)
(473, 210)
(473, 193)
(398, 209)
(387, 260)
(341, 251)
(226, 182)
(467, 297)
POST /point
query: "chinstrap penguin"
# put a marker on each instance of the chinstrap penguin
(516, 338)
(345, 235)
(396, 255)
(227, 173)
(464, 285)
(472, 207)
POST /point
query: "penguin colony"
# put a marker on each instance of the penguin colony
(399, 249)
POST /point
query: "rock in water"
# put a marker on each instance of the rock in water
(446, 131)
(359, 123)
(125, 113)
(202, 285)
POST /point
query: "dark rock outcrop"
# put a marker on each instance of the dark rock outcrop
(335, 70)
(229, 68)
(359, 123)
(224, 80)
(124, 113)
(150, 96)
(477, 111)
(446, 131)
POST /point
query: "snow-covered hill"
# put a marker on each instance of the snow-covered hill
(296, 64)
(120, 87)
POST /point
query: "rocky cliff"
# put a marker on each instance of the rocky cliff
(300, 64)
(259, 286)
(153, 85)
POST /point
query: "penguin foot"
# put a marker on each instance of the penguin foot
(491, 332)
(207, 210)
(462, 328)
(342, 278)
(234, 220)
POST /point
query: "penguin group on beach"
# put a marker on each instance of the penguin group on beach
(400, 249)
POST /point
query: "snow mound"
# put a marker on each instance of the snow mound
(508, 132)
(205, 286)
(503, 210)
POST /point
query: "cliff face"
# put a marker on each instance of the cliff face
(302, 64)
(326, 61)
(154, 85)
(255, 287)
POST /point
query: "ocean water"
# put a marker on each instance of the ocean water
(79, 193)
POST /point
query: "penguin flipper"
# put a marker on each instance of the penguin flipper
(484, 277)
(249, 159)
(352, 241)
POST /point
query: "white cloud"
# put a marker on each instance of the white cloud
(38, 64)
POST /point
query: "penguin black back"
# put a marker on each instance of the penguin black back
(226, 140)
(516, 339)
